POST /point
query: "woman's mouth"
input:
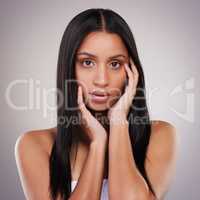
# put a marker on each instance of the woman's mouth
(99, 97)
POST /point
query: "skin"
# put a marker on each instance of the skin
(99, 69)
(134, 185)
(101, 72)
(35, 146)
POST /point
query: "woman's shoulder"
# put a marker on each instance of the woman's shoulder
(32, 159)
(163, 130)
(161, 123)
(41, 139)
(163, 136)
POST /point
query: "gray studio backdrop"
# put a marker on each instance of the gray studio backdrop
(167, 37)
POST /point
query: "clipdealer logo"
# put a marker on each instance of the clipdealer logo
(38, 97)
(186, 88)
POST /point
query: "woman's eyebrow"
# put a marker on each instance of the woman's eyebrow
(111, 57)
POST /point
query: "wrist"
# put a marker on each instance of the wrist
(99, 143)
(118, 120)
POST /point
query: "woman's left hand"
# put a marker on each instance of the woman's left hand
(119, 111)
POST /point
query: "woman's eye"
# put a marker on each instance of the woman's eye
(86, 62)
(116, 64)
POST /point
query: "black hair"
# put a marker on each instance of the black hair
(93, 20)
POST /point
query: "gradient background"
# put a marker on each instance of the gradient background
(167, 37)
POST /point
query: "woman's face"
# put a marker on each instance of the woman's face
(100, 67)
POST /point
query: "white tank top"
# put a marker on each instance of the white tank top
(104, 191)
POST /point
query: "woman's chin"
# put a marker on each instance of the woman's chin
(97, 107)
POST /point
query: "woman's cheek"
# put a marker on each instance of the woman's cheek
(115, 94)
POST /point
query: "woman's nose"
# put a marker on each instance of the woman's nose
(101, 77)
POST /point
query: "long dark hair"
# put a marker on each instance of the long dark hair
(91, 20)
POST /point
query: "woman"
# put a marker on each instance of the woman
(104, 145)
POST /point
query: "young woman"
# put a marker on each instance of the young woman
(104, 145)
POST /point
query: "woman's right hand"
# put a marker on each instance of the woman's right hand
(93, 128)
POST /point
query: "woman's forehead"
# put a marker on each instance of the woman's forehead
(97, 42)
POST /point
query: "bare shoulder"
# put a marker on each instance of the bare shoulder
(161, 124)
(163, 129)
(41, 139)
(164, 137)
(160, 162)
(32, 151)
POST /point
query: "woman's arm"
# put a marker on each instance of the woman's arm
(90, 181)
(33, 167)
(125, 180)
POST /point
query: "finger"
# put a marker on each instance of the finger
(80, 99)
(130, 75)
(81, 106)
(130, 87)
(79, 95)
(134, 69)
(134, 72)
